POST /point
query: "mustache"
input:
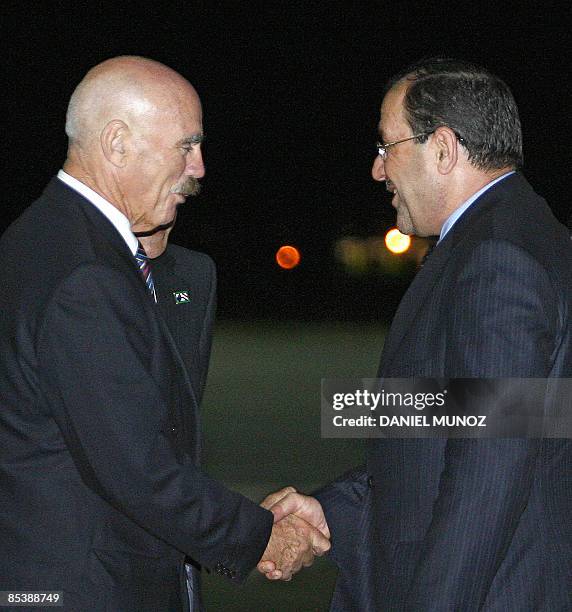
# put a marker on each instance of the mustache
(189, 187)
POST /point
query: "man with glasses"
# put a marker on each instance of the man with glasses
(462, 524)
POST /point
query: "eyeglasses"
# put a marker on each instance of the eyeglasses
(382, 147)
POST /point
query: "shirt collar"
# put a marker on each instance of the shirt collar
(115, 216)
(459, 212)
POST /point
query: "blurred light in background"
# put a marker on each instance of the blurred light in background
(352, 254)
(287, 257)
(397, 242)
(394, 254)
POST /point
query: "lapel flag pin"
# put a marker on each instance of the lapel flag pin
(181, 297)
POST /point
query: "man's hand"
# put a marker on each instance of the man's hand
(292, 545)
(275, 497)
(283, 504)
(304, 506)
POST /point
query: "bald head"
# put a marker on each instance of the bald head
(130, 89)
(135, 133)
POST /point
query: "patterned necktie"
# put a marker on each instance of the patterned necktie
(145, 269)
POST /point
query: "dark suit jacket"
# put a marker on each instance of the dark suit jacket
(185, 285)
(100, 492)
(472, 524)
(180, 270)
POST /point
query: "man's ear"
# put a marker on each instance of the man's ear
(114, 139)
(446, 151)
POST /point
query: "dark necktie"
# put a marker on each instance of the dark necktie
(145, 269)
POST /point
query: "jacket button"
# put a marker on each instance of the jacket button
(370, 482)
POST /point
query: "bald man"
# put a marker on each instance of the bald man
(101, 493)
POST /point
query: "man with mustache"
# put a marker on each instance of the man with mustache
(101, 493)
(462, 524)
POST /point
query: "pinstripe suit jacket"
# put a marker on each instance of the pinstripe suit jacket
(470, 524)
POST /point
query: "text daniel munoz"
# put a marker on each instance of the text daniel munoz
(446, 407)
(419, 401)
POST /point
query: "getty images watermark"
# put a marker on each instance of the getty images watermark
(444, 407)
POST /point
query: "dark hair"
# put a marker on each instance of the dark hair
(478, 106)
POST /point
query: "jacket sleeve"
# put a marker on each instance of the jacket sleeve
(344, 501)
(98, 349)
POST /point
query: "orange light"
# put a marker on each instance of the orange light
(287, 257)
(397, 242)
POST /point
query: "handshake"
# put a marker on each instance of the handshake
(300, 533)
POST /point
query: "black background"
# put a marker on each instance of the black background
(290, 92)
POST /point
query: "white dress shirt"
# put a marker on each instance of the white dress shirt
(459, 212)
(117, 218)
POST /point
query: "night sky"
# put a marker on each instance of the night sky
(291, 93)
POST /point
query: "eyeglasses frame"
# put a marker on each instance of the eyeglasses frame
(382, 147)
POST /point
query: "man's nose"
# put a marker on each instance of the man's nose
(378, 169)
(195, 165)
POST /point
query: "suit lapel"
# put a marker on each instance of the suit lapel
(423, 283)
(62, 194)
(190, 414)
(413, 300)
(186, 409)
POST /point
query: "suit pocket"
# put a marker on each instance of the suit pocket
(120, 534)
